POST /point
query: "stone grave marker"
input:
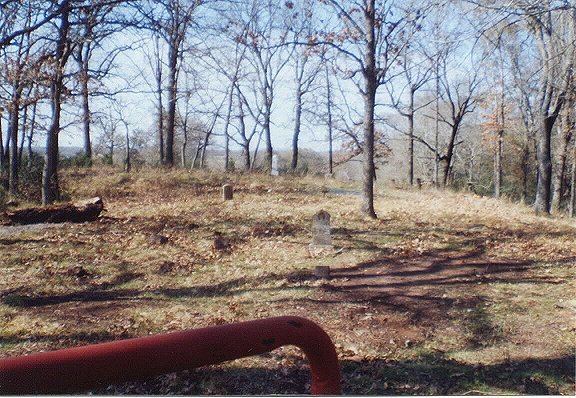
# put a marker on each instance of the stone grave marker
(227, 192)
(322, 271)
(321, 230)
(274, 171)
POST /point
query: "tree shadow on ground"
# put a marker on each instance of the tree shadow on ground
(66, 339)
(382, 277)
(427, 375)
(393, 284)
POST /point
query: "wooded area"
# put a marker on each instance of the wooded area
(482, 92)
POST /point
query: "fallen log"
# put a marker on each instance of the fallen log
(87, 210)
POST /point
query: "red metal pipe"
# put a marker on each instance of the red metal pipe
(100, 365)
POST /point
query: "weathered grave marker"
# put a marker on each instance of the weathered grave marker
(322, 271)
(321, 241)
(321, 229)
(274, 171)
(227, 192)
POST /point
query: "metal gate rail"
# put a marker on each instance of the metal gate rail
(99, 365)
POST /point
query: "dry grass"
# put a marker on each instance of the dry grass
(507, 327)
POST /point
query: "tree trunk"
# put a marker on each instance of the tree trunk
(159, 93)
(297, 127)
(573, 183)
(268, 140)
(13, 132)
(368, 171)
(371, 85)
(31, 134)
(437, 129)
(255, 156)
(83, 63)
(559, 174)
(196, 155)
(227, 126)
(329, 121)
(525, 168)
(161, 131)
(450, 153)
(498, 163)
(204, 149)
(245, 141)
(544, 184)
(22, 135)
(411, 139)
(50, 186)
(172, 96)
(86, 116)
(183, 148)
(246, 155)
(127, 162)
(500, 133)
(183, 155)
(2, 157)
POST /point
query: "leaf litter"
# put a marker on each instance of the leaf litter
(442, 284)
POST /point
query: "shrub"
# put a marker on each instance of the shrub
(3, 198)
(30, 176)
(80, 159)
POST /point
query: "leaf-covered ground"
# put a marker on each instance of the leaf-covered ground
(444, 294)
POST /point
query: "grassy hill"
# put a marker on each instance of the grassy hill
(445, 293)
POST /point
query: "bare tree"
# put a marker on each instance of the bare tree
(523, 93)
(458, 95)
(556, 80)
(16, 73)
(416, 72)
(50, 183)
(565, 136)
(228, 60)
(96, 23)
(171, 20)
(572, 202)
(306, 71)
(371, 37)
(21, 70)
(329, 120)
(10, 18)
(460, 98)
(154, 59)
(111, 138)
(246, 134)
(264, 33)
(550, 28)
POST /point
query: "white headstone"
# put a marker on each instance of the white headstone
(274, 171)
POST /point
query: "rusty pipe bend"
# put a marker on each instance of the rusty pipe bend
(99, 365)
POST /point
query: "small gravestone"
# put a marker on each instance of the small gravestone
(321, 238)
(274, 171)
(227, 192)
(158, 239)
(321, 229)
(322, 271)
